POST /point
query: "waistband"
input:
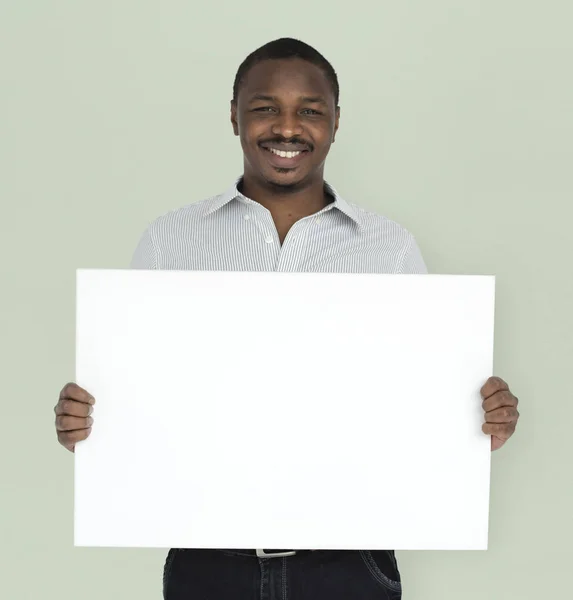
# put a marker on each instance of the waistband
(266, 553)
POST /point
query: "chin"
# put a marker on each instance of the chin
(284, 178)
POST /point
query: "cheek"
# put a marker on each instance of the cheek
(249, 136)
(323, 142)
(246, 137)
(323, 135)
(249, 144)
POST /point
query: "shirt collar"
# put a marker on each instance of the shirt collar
(233, 192)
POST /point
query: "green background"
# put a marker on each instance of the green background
(456, 122)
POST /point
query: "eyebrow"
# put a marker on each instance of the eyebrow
(314, 100)
(305, 99)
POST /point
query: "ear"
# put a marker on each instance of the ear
(234, 117)
(336, 123)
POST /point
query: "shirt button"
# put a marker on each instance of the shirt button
(269, 239)
(246, 217)
(317, 220)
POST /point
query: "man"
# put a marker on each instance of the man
(281, 216)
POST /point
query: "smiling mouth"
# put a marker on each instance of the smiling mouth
(285, 158)
(285, 153)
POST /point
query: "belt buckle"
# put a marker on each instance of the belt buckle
(263, 554)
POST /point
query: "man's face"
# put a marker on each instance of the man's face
(287, 119)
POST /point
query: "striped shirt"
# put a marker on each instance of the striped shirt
(231, 232)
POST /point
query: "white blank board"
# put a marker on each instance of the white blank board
(283, 410)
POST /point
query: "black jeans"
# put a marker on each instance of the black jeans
(309, 575)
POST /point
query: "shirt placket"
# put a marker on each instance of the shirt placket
(290, 256)
(295, 248)
(293, 251)
(269, 243)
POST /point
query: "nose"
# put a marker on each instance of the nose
(287, 125)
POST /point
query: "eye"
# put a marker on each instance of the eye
(263, 109)
(311, 111)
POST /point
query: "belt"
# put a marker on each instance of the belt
(260, 553)
(274, 553)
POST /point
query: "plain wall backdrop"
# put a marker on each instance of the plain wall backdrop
(456, 122)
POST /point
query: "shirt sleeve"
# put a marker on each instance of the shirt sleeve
(413, 263)
(145, 255)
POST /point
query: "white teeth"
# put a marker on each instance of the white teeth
(284, 154)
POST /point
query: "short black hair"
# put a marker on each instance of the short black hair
(285, 48)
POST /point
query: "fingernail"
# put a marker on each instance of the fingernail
(90, 410)
(91, 400)
(90, 421)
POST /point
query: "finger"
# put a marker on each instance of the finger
(505, 398)
(67, 423)
(492, 386)
(73, 408)
(500, 430)
(505, 414)
(70, 438)
(75, 392)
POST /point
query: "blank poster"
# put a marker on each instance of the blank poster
(283, 410)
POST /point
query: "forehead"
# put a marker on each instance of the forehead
(286, 77)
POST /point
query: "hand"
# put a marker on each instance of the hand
(73, 410)
(501, 414)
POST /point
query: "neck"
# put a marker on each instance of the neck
(286, 205)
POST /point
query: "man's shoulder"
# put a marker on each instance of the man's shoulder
(374, 223)
(391, 238)
(183, 215)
